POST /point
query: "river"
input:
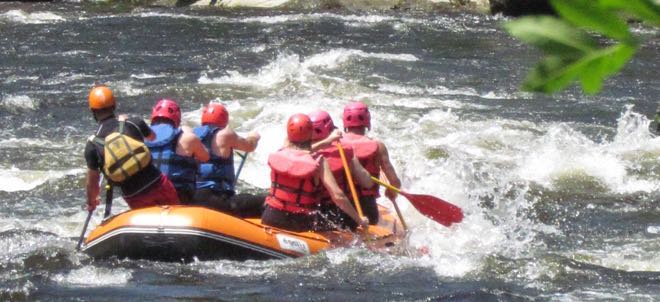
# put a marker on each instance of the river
(560, 193)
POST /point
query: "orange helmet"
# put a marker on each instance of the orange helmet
(100, 97)
(216, 115)
(299, 128)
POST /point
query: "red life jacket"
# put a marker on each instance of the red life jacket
(332, 156)
(292, 181)
(366, 151)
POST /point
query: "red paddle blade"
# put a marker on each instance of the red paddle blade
(435, 208)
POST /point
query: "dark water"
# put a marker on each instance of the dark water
(560, 192)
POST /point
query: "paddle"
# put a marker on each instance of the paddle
(349, 177)
(398, 213)
(82, 235)
(435, 208)
(108, 201)
(89, 216)
(240, 166)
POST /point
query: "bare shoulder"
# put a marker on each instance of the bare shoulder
(227, 133)
(381, 145)
(188, 135)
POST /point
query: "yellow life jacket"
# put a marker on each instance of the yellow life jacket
(124, 156)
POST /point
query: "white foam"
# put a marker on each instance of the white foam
(19, 143)
(16, 78)
(126, 88)
(166, 15)
(653, 229)
(20, 16)
(277, 19)
(13, 179)
(74, 53)
(353, 20)
(239, 269)
(592, 295)
(144, 76)
(289, 67)
(277, 72)
(564, 152)
(635, 255)
(94, 276)
(418, 95)
(336, 57)
(65, 77)
(442, 90)
(19, 102)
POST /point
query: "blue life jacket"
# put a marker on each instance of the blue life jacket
(181, 170)
(218, 173)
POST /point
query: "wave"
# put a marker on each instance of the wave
(563, 155)
(436, 90)
(401, 24)
(144, 76)
(13, 179)
(18, 102)
(21, 143)
(94, 276)
(468, 162)
(11, 79)
(290, 67)
(19, 16)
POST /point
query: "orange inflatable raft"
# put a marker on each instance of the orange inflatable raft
(184, 233)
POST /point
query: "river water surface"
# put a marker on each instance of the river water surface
(560, 193)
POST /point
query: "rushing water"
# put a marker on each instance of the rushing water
(560, 192)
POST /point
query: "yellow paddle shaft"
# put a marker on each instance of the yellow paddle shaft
(349, 177)
(382, 183)
(396, 206)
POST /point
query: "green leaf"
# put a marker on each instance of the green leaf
(588, 14)
(647, 10)
(602, 64)
(551, 75)
(591, 79)
(551, 35)
(555, 72)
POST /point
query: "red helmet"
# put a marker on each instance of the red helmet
(299, 128)
(322, 123)
(215, 114)
(356, 114)
(167, 109)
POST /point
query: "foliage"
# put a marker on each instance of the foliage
(571, 53)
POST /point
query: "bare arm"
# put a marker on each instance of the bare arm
(336, 194)
(334, 135)
(387, 169)
(362, 177)
(191, 146)
(92, 188)
(229, 139)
